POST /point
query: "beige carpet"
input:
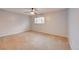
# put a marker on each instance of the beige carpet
(33, 41)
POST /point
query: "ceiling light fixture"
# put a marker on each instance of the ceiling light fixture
(31, 11)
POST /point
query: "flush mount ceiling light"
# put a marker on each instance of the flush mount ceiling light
(31, 11)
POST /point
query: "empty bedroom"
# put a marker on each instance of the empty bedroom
(34, 29)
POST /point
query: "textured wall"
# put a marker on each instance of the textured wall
(74, 28)
(11, 23)
(55, 23)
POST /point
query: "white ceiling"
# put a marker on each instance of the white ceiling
(40, 10)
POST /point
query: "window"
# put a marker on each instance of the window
(39, 20)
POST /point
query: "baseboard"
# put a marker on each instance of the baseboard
(10, 34)
(37, 32)
(49, 34)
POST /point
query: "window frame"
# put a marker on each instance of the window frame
(39, 20)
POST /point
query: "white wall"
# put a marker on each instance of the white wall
(56, 23)
(74, 28)
(11, 23)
